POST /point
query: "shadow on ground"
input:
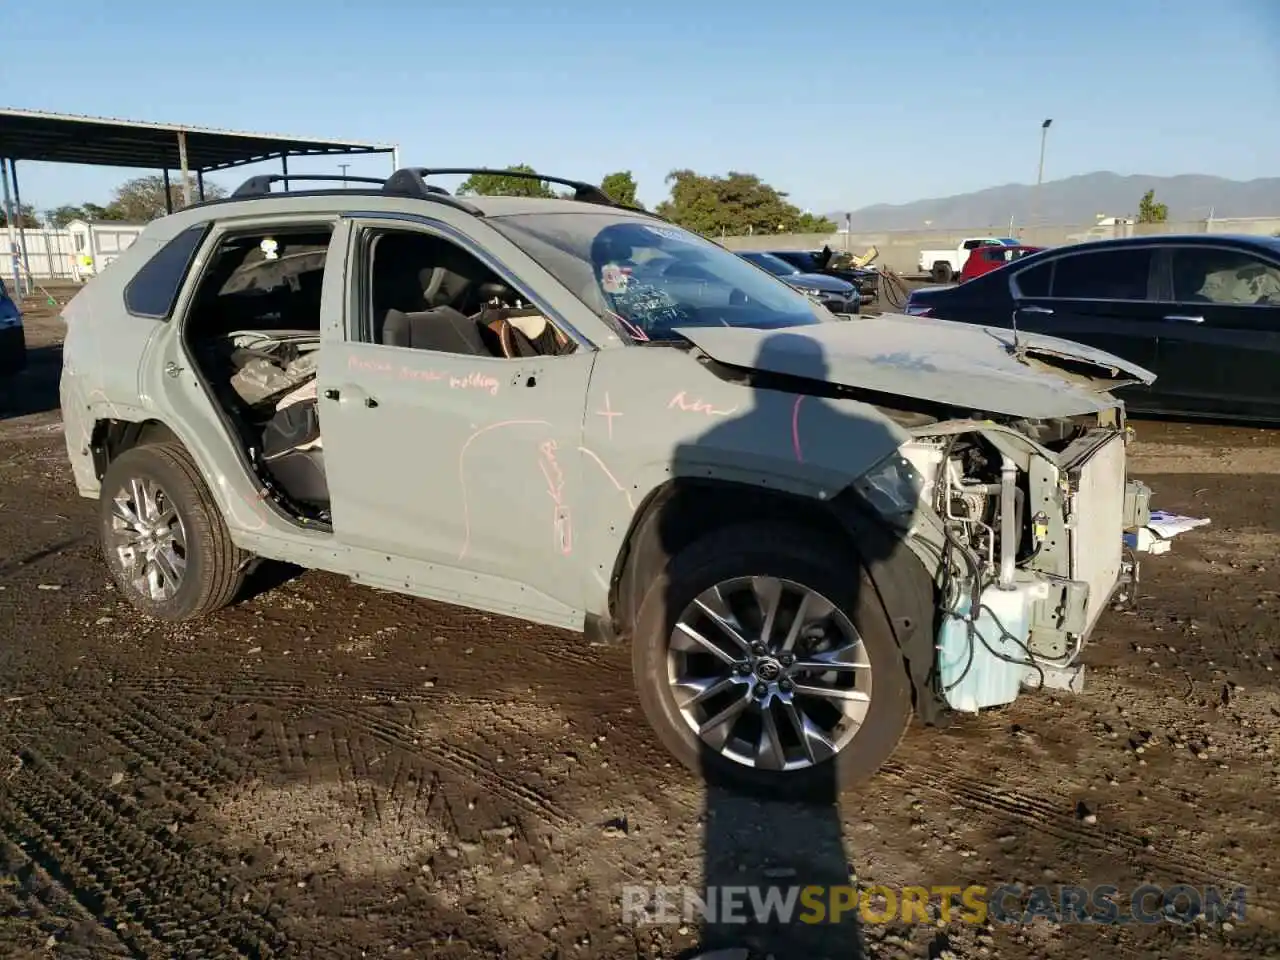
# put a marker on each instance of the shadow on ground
(772, 639)
(35, 388)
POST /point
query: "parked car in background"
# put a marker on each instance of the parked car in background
(990, 257)
(13, 345)
(943, 265)
(824, 262)
(1202, 312)
(838, 296)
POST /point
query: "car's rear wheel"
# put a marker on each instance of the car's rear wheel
(765, 660)
(941, 272)
(163, 536)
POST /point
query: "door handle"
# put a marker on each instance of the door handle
(1183, 318)
(333, 393)
(1032, 308)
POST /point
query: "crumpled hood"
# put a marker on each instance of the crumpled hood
(958, 364)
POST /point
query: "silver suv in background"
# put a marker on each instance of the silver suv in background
(809, 531)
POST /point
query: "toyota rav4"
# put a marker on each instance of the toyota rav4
(578, 414)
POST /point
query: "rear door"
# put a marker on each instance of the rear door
(1220, 337)
(1100, 297)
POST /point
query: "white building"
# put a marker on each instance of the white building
(96, 244)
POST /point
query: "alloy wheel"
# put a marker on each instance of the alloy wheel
(769, 673)
(149, 539)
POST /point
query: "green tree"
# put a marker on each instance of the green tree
(496, 185)
(26, 216)
(93, 211)
(1151, 212)
(59, 217)
(621, 188)
(142, 199)
(735, 204)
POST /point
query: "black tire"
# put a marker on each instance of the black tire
(806, 557)
(941, 272)
(215, 569)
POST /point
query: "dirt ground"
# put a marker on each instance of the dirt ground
(328, 771)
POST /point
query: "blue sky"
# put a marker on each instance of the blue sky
(848, 105)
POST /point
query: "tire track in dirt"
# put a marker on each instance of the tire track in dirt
(457, 760)
(577, 657)
(181, 758)
(54, 912)
(169, 896)
(273, 692)
(1049, 817)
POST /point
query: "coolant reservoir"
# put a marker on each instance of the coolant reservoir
(990, 681)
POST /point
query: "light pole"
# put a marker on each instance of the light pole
(1035, 206)
(1044, 134)
(343, 168)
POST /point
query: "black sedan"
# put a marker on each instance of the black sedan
(826, 261)
(838, 296)
(1202, 312)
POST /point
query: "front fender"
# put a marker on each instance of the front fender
(657, 415)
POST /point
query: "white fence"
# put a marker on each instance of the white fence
(50, 253)
(74, 253)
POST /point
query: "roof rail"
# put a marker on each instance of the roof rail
(582, 191)
(260, 186)
(411, 182)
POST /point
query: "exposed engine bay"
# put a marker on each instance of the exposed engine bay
(1023, 527)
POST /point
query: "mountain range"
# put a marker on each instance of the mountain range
(1075, 200)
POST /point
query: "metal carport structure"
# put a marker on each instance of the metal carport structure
(101, 141)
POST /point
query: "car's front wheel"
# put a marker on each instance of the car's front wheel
(163, 536)
(765, 660)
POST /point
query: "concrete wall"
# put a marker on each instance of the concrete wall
(900, 250)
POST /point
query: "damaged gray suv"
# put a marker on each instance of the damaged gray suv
(568, 411)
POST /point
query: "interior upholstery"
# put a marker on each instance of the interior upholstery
(428, 294)
(443, 329)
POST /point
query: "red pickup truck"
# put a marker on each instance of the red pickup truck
(985, 259)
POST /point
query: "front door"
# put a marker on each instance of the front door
(465, 463)
(1099, 298)
(1220, 346)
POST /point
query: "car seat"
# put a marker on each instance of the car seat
(292, 449)
(443, 329)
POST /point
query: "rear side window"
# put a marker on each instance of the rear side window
(1215, 275)
(1035, 281)
(1103, 275)
(153, 291)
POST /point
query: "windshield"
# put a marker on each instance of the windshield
(775, 265)
(1010, 241)
(647, 278)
